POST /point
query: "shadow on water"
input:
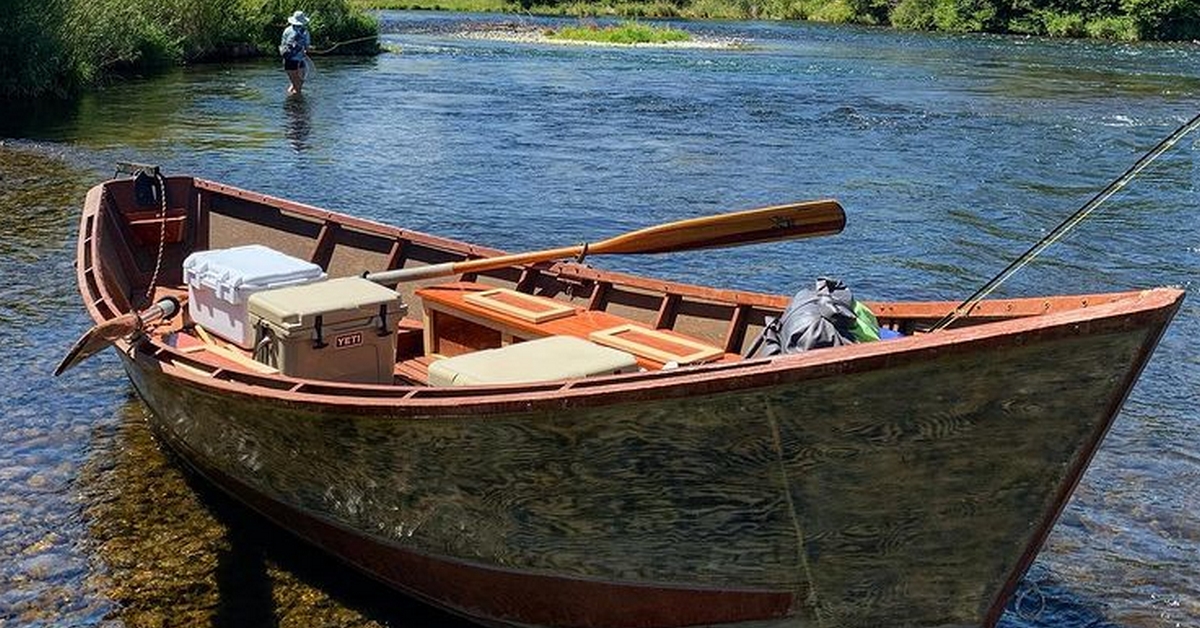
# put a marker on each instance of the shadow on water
(176, 551)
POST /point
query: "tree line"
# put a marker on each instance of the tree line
(61, 46)
(1124, 20)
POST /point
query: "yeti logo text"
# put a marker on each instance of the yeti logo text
(349, 340)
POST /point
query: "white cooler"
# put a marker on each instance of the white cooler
(221, 281)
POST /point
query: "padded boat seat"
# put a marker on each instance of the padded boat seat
(544, 359)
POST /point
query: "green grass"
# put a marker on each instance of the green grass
(623, 33)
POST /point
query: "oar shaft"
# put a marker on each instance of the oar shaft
(446, 269)
(767, 224)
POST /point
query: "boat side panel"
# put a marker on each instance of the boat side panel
(234, 222)
(919, 496)
(906, 492)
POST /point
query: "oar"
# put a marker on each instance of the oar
(101, 336)
(768, 224)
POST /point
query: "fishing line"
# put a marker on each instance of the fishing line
(1067, 225)
(343, 43)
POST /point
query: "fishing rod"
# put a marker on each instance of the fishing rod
(1067, 225)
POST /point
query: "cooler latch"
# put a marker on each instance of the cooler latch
(319, 342)
(384, 328)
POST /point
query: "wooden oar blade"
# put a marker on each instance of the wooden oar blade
(101, 336)
(96, 340)
(768, 224)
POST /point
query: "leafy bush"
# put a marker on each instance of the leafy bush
(57, 46)
(914, 15)
(32, 51)
(1165, 19)
(1063, 24)
(723, 9)
(834, 12)
(623, 33)
(966, 16)
(1119, 28)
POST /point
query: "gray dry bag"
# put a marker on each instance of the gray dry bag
(823, 316)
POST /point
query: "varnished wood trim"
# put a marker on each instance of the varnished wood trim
(397, 254)
(599, 295)
(326, 240)
(735, 334)
(667, 311)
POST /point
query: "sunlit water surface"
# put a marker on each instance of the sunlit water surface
(951, 154)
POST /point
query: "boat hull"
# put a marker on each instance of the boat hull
(898, 488)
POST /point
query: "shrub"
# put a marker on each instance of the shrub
(57, 46)
(834, 12)
(33, 53)
(1063, 24)
(1120, 28)
(624, 33)
(1165, 19)
(914, 15)
(965, 16)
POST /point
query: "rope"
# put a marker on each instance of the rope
(162, 235)
(1067, 225)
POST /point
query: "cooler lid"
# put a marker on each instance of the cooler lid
(235, 271)
(335, 299)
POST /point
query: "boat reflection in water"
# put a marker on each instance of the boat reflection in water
(178, 552)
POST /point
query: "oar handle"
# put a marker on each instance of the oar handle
(164, 309)
(401, 275)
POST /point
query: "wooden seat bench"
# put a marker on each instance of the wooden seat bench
(461, 317)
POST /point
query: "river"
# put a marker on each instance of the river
(952, 155)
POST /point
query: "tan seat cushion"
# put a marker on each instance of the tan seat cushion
(544, 359)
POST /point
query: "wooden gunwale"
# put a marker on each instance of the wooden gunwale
(1133, 308)
(702, 379)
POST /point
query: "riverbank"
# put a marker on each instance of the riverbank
(1070, 19)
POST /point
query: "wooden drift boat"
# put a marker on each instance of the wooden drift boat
(905, 482)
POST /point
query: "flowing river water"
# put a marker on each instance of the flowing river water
(951, 154)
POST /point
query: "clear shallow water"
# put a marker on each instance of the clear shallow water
(951, 154)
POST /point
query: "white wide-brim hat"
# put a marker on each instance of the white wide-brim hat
(298, 19)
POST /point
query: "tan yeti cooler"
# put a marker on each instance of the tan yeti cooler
(339, 330)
